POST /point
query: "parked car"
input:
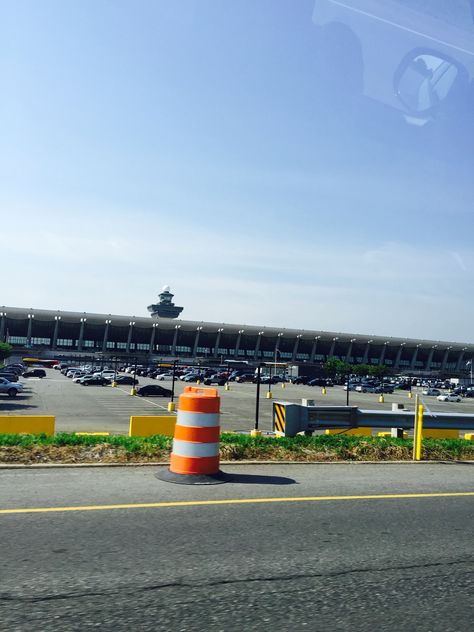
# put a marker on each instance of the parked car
(35, 373)
(404, 386)
(126, 379)
(384, 388)
(266, 379)
(13, 368)
(367, 388)
(320, 381)
(81, 376)
(215, 379)
(153, 390)
(164, 376)
(109, 375)
(10, 388)
(191, 377)
(11, 377)
(301, 379)
(432, 392)
(449, 398)
(245, 377)
(94, 380)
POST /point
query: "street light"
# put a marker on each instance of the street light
(241, 331)
(152, 350)
(218, 339)
(198, 329)
(348, 385)
(177, 328)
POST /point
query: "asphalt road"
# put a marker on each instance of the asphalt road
(97, 408)
(295, 560)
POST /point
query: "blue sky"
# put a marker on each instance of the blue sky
(193, 143)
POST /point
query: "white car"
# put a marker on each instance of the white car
(449, 398)
(109, 375)
(164, 376)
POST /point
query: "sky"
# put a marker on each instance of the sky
(238, 153)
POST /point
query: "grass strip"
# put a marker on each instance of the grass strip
(71, 448)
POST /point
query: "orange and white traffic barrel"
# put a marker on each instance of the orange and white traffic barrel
(195, 452)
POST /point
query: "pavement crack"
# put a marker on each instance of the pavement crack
(84, 594)
(351, 571)
(5, 597)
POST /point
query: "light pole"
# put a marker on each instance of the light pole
(171, 404)
(134, 390)
(257, 402)
(348, 357)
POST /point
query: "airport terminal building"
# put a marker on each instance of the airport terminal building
(59, 334)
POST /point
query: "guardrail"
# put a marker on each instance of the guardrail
(289, 419)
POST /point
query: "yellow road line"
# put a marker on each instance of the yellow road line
(238, 501)
(142, 398)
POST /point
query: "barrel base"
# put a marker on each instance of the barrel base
(191, 479)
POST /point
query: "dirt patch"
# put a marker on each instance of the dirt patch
(102, 453)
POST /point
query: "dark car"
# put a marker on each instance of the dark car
(95, 380)
(384, 388)
(126, 379)
(13, 368)
(35, 373)
(301, 379)
(274, 379)
(153, 390)
(403, 386)
(245, 377)
(11, 377)
(215, 379)
(320, 381)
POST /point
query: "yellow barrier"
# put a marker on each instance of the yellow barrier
(357, 432)
(389, 434)
(27, 424)
(145, 426)
(439, 433)
(469, 436)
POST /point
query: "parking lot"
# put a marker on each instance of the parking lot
(103, 408)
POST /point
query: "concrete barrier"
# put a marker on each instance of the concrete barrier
(357, 432)
(391, 435)
(145, 426)
(27, 424)
(441, 433)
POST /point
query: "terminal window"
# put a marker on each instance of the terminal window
(64, 342)
(41, 341)
(17, 340)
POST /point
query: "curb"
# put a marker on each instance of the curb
(47, 466)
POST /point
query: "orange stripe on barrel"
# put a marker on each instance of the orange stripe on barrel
(199, 435)
(199, 400)
(190, 465)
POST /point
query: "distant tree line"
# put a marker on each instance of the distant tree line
(333, 367)
(5, 351)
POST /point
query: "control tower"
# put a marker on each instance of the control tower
(165, 308)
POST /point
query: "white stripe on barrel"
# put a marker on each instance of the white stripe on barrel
(191, 449)
(204, 420)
